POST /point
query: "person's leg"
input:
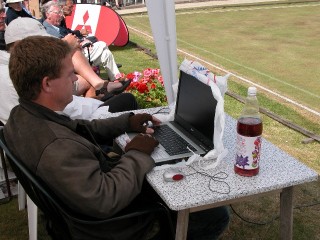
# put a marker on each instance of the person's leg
(100, 54)
(121, 102)
(82, 86)
(117, 4)
(208, 224)
(109, 64)
(83, 68)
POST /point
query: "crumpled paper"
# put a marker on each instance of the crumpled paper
(218, 86)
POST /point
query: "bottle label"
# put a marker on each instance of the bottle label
(248, 152)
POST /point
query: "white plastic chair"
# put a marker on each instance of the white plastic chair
(31, 207)
(32, 212)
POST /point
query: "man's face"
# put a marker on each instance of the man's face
(2, 19)
(55, 16)
(16, 6)
(67, 9)
(62, 87)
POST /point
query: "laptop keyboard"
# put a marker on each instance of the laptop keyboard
(171, 141)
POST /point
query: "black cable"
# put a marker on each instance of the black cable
(213, 178)
(256, 223)
(163, 110)
(275, 217)
(306, 205)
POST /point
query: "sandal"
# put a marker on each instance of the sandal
(125, 84)
(103, 90)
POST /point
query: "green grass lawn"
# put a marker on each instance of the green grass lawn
(276, 46)
(13, 224)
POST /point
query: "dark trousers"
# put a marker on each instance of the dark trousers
(208, 224)
(121, 102)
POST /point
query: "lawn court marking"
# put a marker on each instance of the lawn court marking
(250, 69)
(238, 64)
(248, 8)
(239, 77)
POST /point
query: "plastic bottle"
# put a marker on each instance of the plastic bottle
(249, 130)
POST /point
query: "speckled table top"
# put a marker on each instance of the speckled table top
(277, 171)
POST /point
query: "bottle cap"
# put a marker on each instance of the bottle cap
(252, 91)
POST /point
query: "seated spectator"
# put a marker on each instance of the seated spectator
(67, 157)
(15, 10)
(2, 26)
(82, 108)
(99, 52)
(87, 84)
(88, 79)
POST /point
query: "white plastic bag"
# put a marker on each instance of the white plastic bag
(218, 86)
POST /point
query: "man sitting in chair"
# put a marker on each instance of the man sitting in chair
(65, 153)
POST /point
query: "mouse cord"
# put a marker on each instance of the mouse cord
(218, 177)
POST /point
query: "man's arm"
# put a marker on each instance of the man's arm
(72, 170)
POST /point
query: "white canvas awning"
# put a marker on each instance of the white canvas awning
(163, 23)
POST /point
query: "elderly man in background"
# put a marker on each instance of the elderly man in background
(99, 52)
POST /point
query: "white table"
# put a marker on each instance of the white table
(279, 172)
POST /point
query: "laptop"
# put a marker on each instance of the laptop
(193, 122)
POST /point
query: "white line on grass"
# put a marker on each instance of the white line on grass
(252, 83)
(249, 9)
(252, 69)
(239, 77)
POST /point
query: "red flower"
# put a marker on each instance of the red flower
(160, 79)
(143, 88)
(147, 72)
(155, 72)
(148, 88)
(145, 80)
(130, 76)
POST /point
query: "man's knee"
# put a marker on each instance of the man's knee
(129, 98)
(208, 224)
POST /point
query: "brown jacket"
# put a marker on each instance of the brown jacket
(74, 166)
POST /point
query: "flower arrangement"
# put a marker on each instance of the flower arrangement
(148, 88)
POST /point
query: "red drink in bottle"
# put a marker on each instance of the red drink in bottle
(248, 146)
(249, 130)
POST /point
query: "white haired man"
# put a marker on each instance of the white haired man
(99, 52)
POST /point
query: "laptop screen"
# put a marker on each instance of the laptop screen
(195, 108)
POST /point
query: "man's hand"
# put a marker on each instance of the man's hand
(84, 32)
(142, 142)
(140, 123)
(88, 43)
(73, 41)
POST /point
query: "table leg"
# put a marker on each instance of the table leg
(286, 216)
(182, 224)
